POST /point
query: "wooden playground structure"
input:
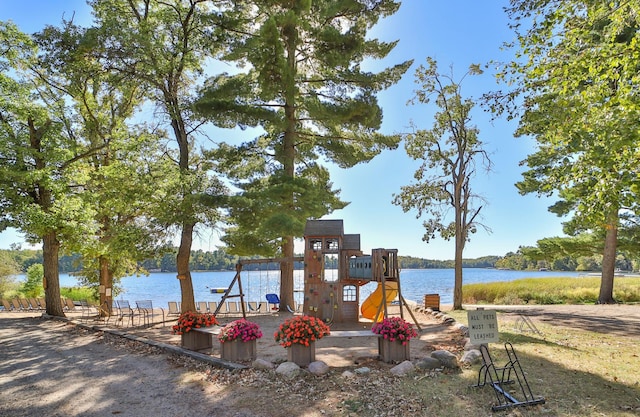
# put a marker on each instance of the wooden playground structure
(334, 271)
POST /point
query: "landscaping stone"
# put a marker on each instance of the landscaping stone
(471, 357)
(462, 328)
(261, 364)
(288, 370)
(428, 363)
(348, 374)
(470, 346)
(318, 368)
(448, 359)
(403, 369)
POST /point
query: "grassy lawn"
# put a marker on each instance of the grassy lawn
(580, 373)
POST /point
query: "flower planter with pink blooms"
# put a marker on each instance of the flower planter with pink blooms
(394, 334)
(238, 340)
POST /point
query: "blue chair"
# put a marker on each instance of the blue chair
(275, 300)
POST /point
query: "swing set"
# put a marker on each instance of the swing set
(272, 299)
(334, 270)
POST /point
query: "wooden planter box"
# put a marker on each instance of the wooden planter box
(195, 340)
(302, 355)
(237, 350)
(395, 351)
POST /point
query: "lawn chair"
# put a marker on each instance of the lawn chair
(202, 306)
(6, 306)
(25, 304)
(274, 300)
(174, 308)
(213, 305)
(124, 310)
(145, 309)
(86, 310)
(223, 309)
(233, 308)
(295, 310)
(34, 303)
(16, 304)
(69, 304)
(42, 303)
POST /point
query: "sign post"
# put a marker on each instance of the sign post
(483, 326)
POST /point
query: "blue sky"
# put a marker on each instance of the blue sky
(454, 32)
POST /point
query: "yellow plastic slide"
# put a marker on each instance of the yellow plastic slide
(370, 306)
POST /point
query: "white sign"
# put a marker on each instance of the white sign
(483, 326)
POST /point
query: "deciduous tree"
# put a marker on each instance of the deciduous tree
(38, 147)
(165, 45)
(449, 152)
(122, 177)
(575, 92)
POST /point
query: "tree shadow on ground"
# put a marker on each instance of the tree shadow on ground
(628, 326)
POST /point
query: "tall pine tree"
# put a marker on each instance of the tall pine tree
(306, 88)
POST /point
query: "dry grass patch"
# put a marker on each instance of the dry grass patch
(561, 290)
(579, 372)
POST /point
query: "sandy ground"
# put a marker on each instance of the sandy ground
(56, 368)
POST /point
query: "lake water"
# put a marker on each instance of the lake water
(162, 287)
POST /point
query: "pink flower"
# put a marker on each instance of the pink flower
(240, 329)
(395, 328)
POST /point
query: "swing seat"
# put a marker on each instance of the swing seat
(273, 299)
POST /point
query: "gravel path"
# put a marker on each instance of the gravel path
(51, 368)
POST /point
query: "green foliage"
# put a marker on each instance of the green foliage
(80, 293)
(162, 50)
(575, 78)
(8, 270)
(37, 146)
(32, 287)
(516, 261)
(124, 157)
(449, 152)
(305, 89)
(581, 290)
(409, 262)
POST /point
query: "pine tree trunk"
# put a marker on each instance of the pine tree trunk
(50, 255)
(286, 276)
(288, 162)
